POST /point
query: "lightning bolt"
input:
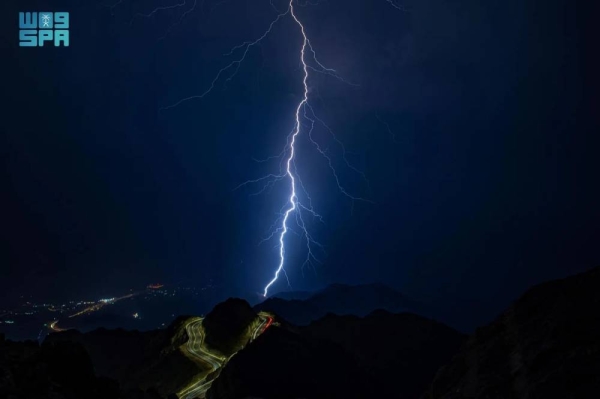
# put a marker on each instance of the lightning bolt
(304, 112)
(397, 6)
(157, 10)
(112, 7)
(293, 198)
(388, 128)
(293, 204)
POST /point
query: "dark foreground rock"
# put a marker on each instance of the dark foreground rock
(138, 361)
(400, 352)
(545, 346)
(56, 370)
(382, 355)
(282, 364)
(226, 325)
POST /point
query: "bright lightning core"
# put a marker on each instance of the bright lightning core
(304, 113)
(293, 204)
(293, 198)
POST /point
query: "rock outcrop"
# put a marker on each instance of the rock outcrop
(381, 355)
(545, 346)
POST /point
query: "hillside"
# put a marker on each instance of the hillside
(57, 370)
(341, 357)
(139, 360)
(182, 359)
(228, 325)
(544, 346)
(391, 346)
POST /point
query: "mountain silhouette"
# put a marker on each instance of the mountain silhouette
(341, 299)
(341, 357)
(543, 346)
(546, 345)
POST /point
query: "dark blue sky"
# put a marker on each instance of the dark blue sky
(489, 186)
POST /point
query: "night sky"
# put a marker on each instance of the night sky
(485, 183)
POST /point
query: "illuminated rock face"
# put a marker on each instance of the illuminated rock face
(546, 346)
